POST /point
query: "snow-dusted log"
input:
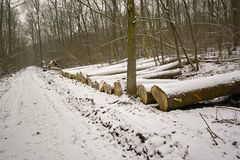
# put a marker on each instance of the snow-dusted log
(105, 87)
(101, 86)
(145, 85)
(160, 68)
(109, 89)
(83, 79)
(118, 70)
(141, 81)
(96, 85)
(68, 75)
(89, 81)
(156, 69)
(63, 73)
(72, 76)
(188, 92)
(219, 61)
(93, 85)
(144, 92)
(109, 77)
(78, 77)
(118, 90)
(163, 75)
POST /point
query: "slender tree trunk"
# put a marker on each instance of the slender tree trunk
(9, 28)
(171, 26)
(39, 36)
(114, 28)
(192, 34)
(160, 29)
(144, 45)
(1, 30)
(131, 49)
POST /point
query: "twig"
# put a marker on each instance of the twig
(231, 121)
(212, 134)
(213, 137)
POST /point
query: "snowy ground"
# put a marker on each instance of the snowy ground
(46, 116)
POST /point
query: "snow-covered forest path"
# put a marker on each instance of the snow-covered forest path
(46, 116)
(34, 124)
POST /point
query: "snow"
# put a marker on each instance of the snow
(46, 116)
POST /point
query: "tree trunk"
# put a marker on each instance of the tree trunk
(131, 49)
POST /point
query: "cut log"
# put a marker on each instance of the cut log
(144, 89)
(89, 81)
(62, 73)
(54, 68)
(106, 69)
(110, 77)
(160, 68)
(83, 79)
(96, 85)
(67, 75)
(93, 84)
(118, 88)
(78, 77)
(163, 75)
(193, 91)
(119, 69)
(105, 87)
(72, 76)
(110, 89)
(101, 86)
(219, 61)
(144, 92)
(155, 81)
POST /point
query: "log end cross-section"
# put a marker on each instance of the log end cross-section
(145, 95)
(161, 98)
(118, 88)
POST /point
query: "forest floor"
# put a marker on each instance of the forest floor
(46, 116)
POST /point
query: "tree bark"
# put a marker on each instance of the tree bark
(131, 49)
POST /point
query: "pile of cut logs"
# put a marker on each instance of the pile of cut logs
(156, 83)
